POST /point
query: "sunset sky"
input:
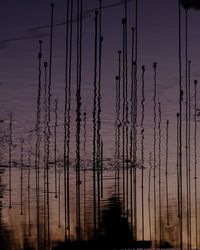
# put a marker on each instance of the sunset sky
(23, 23)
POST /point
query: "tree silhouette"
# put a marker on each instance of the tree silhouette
(114, 225)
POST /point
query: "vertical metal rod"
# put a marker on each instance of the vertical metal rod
(195, 165)
(166, 169)
(95, 125)
(102, 193)
(66, 180)
(119, 122)
(45, 147)
(178, 174)
(21, 176)
(10, 159)
(38, 141)
(116, 135)
(29, 183)
(99, 97)
(189, 152)
(78, 117)
(186, 131)
(159, 171)
(125, 49)
(135, 121)
(154, 154)
(48, 122)
(85, 175)
(180, 122)
(142, 152)
(69, 118)
(59, 200)
(55, 146)
(132, 126)
(123, 119)
(149, 195)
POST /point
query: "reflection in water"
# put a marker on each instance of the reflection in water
(149, 195)
(10, 160)
(67, 184)
(55, 145)
(38, 139)
(142, 149)
(84, 175)
(5, 237)
(195, 164)
(154, 149)
(78, 118)
(95, 125)
(166, 170)
(115, 228)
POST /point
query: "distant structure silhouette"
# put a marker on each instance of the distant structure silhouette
(187, 4)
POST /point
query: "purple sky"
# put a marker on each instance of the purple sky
(157, 41)
(23, 23)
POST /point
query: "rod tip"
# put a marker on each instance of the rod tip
(177, 114)
(195, 82)
(181, 93)
(45, 64)
(39, 55)
(119, 51)
(154, 65)
(116, 78)
(52, 4)
(40, 41)
(143, 67)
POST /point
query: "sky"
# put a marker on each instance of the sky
(22, 26)
(23, 23)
